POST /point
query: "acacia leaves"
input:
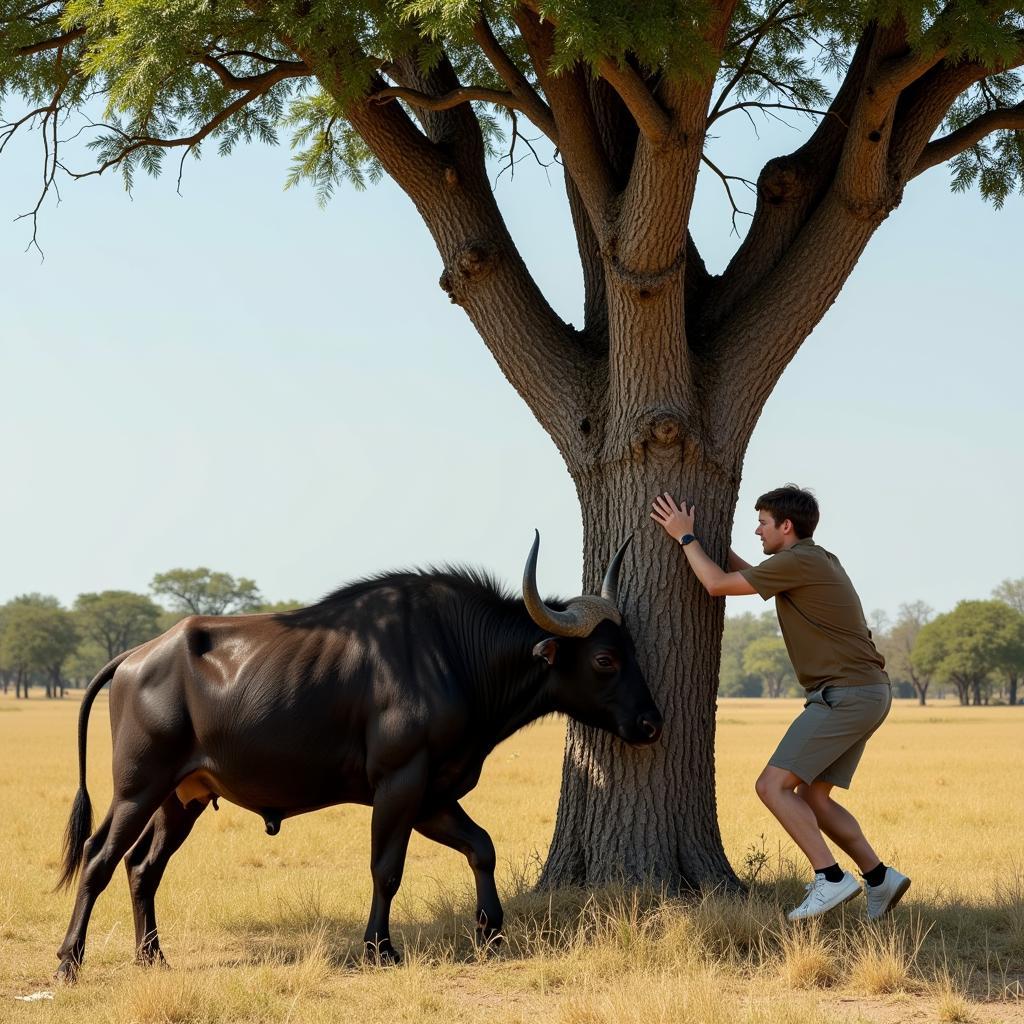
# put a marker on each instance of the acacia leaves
(995, 163)
(149, 75)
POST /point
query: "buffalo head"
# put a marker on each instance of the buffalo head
(593, 673)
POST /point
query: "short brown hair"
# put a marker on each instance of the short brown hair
(794, 503)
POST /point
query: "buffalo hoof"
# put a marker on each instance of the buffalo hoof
(151, 958)
(382, 954)
(67, 973)
(489, 940)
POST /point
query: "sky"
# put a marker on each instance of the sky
(236, 378)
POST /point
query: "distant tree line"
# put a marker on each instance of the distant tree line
(975, 651)
(47, 645)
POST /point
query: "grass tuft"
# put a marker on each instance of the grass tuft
(809, 956)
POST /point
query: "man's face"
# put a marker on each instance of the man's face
(772, 535)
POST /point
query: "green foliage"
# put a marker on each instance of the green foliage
(1011, 592)
(995, 163)
(116, 620)
(740, 631)
(767, 657)
(328, 149)
(151, 64)
(36, 635)
(968, 643)
(202, 592)
(279, 606)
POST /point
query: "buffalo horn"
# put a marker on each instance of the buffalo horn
(580, 617)
(610, 586)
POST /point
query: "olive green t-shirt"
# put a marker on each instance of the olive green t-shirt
(820, 615)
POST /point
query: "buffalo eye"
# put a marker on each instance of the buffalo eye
(605, 663)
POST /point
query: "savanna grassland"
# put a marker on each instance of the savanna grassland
(269, 929)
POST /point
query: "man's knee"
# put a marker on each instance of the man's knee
(767, 787)
(761, 788)
(773, 782)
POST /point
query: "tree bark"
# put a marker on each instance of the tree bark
(666, 793)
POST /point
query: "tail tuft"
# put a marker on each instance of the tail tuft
(78, 831)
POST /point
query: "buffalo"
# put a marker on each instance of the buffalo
(390, 692)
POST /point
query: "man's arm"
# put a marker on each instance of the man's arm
(678, 522)
(736, 563)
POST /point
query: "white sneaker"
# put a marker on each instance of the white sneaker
(883, 897)
(823, 895)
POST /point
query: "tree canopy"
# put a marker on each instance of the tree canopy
(968, 644)
(767, 657)
(202, 592)
(116, 620)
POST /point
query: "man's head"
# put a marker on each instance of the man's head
(785, 515)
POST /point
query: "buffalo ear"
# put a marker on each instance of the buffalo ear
(546, 649)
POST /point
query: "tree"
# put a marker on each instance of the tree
(38, 637)
(767, 657)
(739, 632)
(662, 385)
(278, 606)
(1011, 592)
(966, 645)
(202, 592)
(898, 647)
(116, 620)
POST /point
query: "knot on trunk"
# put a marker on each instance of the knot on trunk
(474, 261)
(781, 181)
(663, 427)
(872, 209)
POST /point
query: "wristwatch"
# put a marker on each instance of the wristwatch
(686, 538)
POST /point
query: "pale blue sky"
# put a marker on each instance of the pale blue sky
(239, 379)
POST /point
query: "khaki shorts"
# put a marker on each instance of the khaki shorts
(826, 741)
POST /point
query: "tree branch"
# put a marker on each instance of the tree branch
(756, 36)
(775, 106)
(283, 69)
(651, 119)
(578, 137)
(455, 98)
(53, 43)
(533, 106)
(789, 188)
(136, 142)
(445, 175)
(726, 178)
(949, 146)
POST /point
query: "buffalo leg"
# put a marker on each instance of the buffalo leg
(118, 832)
(455, 828)
(145, 863)
(396, 806)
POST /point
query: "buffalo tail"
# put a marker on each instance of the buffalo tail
(80, 822)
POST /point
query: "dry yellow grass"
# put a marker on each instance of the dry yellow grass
(269, 929)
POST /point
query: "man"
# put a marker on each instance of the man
(848, 692)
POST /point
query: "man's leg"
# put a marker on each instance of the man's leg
(776, 788)
(838, 823)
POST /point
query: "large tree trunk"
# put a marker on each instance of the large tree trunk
(666, 793)
(1012, 688)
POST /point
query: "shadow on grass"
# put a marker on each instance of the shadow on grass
(929, 941)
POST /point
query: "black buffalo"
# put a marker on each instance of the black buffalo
(390, 692)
